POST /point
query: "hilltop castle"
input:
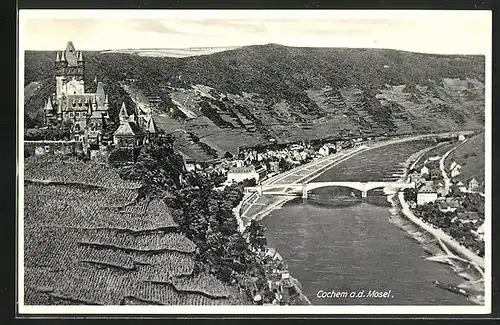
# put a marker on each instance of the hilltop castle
(87, 113)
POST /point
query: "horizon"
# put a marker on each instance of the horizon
(432, 32)
(229, 48)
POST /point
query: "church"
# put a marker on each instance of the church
(87, 113)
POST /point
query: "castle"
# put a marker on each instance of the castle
(86, 113)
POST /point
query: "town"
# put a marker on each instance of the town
(76, 123)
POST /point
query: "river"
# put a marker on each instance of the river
(337, 241)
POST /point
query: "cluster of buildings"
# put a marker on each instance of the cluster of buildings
(258, 165)
(87, 114)
(279, 289)
(432, 188)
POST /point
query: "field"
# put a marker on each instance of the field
(90, 240)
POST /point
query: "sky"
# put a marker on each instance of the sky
(441, 32)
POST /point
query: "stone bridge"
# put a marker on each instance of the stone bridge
(298, 188)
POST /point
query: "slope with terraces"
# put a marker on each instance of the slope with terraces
(92, 238)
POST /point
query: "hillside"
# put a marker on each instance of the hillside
(93, 238)
(471, 156)
(251, 94)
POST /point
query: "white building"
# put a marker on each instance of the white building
(324, 151)
(426, 194)
(424, 171)
(461, 137)
(461, 187)
(455, 171)
(239, 174)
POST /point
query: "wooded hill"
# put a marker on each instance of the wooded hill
(287, 93)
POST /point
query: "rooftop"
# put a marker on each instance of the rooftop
(246, 169)
(129, 128)
(427, 187)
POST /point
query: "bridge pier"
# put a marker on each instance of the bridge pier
(363, 194)
(304, 191)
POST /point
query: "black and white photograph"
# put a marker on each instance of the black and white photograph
(254, 162)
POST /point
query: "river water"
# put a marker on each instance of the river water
(337, 241)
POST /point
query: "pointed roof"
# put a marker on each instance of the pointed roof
(58, 57)
(129, 128)
(63, 56)
(151, 126)
(123, 112)
(427, 187)
(48, 105)
(80, 56)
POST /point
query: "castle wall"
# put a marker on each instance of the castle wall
(52, 147)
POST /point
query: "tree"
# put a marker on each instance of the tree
(410, 194)
(256, 235)
(228, 155)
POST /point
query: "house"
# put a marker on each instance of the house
(274, 166)
(461, 137)
(190, 164)
(414, 175)
(239, 174)
(455, 171)
(449, 205)
(472, 185)
(479, 232)
(461, 186)
(468, 217)
(426, 194)
(440, 188)
(261, 171)
(424, 171)
(435, 173)
(324, 151)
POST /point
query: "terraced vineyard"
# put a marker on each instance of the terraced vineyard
(90, 240)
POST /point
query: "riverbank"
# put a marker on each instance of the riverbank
(445, 249)
(263, 206)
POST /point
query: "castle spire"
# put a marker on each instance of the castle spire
(58, 57)
(48, 105)
(63, 56)
(123, 114)
(80, 56)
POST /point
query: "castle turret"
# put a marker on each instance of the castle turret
(123, 114)
(106, 102)
(58, 57)
(48, 106)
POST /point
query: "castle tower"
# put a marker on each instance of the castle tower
(69, 71)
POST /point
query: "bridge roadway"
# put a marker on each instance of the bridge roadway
(309, 171)
(304, 188)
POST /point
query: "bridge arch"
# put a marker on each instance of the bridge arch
(363, 187)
